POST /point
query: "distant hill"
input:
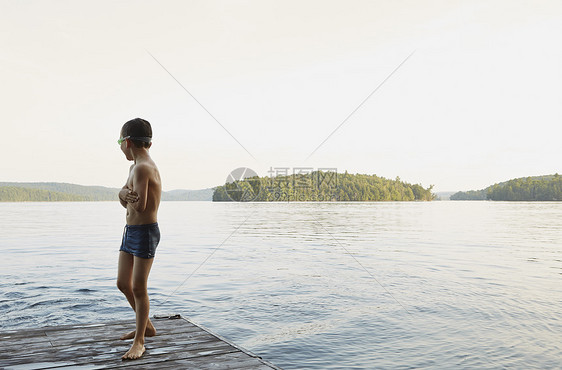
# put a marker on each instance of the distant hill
(444, 195)
(200, 195)
(56, 191)
(73, 191)
(536, 188)
(470, 195)
(20, 194)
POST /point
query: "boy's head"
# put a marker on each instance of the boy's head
(139, 132)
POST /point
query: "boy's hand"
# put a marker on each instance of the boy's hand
(132, 197)
(128, 196)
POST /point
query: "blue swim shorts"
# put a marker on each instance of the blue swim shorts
(141, 240)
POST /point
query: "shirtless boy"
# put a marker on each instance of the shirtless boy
(141, 197)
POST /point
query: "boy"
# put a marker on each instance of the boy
(141, 197)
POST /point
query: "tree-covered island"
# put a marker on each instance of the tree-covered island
(321, 186)
(538, 188)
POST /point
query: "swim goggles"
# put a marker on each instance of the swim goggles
(146, 139)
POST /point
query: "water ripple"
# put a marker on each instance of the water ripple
(480, 280)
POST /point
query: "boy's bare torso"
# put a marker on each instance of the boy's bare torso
(146, 168)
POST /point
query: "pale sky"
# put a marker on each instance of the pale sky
(478, 102)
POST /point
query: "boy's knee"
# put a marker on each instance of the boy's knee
(139, 290)
(123, 286)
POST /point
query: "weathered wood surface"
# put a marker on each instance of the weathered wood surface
(179, 344)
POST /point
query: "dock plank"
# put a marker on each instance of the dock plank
(111, 356)
(179, 343)
(235, 360)
(83, 336)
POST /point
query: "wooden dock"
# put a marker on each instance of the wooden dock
(179, 344)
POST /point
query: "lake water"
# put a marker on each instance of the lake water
(310, 285)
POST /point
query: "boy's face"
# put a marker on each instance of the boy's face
(125, 148)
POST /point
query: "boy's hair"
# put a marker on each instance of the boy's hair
(138, 128)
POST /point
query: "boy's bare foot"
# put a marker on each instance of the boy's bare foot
(135, 352)
(149, 332)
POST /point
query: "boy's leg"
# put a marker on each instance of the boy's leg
(141, 270)
(125, 285)
(125, 276)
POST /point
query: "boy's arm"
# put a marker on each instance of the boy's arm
(140, 184)
(126, 196)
